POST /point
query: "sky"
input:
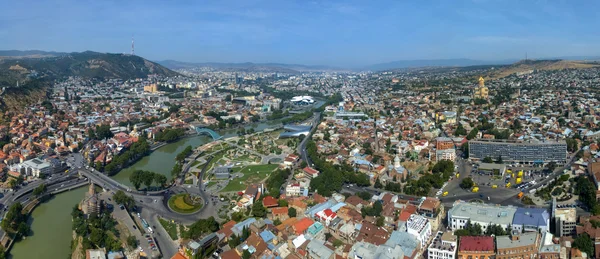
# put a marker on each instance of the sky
(334, 32)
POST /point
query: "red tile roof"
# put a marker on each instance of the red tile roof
(279, 211)
(302, 225)
(476, 243)
(269, 201)
(310, 171)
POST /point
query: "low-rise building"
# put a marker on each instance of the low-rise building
(480, 247)
(565, 221)
(531, 219)
(482, 214)
(443, 246)
(518, 246)
(363, 250)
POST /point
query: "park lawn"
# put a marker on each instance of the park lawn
(211, 183)
(215, 159)
(170, 227)
(252, 174)
(178, 204)
(195, 163)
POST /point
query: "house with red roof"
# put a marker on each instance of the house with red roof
(476, 247)
(302, 225)
(269, 202)
(280, 213)
(326, 216)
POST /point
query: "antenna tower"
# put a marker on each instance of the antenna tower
(132, 46)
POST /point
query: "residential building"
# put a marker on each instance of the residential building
(528, 152)
(430, 207)
(310, 172)
(531, 219)
(518, 246)
(482, 214)
(363, 250)
(420, 227)
(443, 246)
(316, 249)
(564, 220)
(476, 247)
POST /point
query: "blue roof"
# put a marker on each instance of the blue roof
(267, 235)
(406, 241)
(237, 228)
(319, 207)
(338, 206)
(531, 217)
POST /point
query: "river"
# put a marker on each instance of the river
(51, 228)
(51, 221)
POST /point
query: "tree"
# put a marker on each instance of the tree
(147, 178)
(467, 183)
(488, 159)
(121, 197)
(292, 212)
(39, 190)
(282, 203)
(13, 218)
(378, 184)
(365, 195)
(380, 221)
(472, 134)
(136, 178)
(132, 242)
(584, 243)
(160, 179)
(258, 210)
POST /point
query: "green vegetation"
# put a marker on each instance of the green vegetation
(201, 227)
(584, 243)
(441, 173)
(169, 135)
(572, 144)
(121, 197)
(39, 190)
(96, 231)
(139, 177)
(183, 154)
(332, 177)
(276, 180)
(137, 150)
(587, 194)
(467, 183)
(252, 174)
(15, 222)
(527, 201)
(102, 132)
(170, 227)
(469, 230)
(183, 203)
(373, 211)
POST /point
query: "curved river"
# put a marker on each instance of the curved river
(51, 221)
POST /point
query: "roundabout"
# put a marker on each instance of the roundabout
(185, 203)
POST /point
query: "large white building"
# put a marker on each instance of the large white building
(420, 227)
(443, 246)
(482, 214)
(302, 100)
(35, 167)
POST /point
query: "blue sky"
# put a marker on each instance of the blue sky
(342, 33)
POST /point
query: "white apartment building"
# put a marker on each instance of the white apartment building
(420, 227)
(443, 246)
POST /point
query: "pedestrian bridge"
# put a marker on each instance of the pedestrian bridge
(208, 131)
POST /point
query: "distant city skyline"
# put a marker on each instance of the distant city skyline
(334, 33)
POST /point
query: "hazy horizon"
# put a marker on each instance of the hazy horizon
(334, 33)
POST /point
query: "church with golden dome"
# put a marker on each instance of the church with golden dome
(481, 91)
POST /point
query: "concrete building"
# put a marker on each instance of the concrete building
(363, 250)
(533, 152)
(476, 247)
(497, 169)
(316, 249)
(443, 246)
(482, 214)
(531, 219)
(222, 172)
(36, 167)
(420, 227)
(565, 221)
(518, 246)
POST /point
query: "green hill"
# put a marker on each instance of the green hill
(85, 64)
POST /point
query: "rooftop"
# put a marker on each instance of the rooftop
(445, 241)
(525, 239)
(476, 243)
(566, 214)
(499, 215)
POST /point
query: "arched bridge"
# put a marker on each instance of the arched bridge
(208, 131)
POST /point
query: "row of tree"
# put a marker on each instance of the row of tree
(474, 229)
(136, 151)
(15, 222)
(276, 180)
(183, 154)
(96, 231)
(139, 177)
(169, 135)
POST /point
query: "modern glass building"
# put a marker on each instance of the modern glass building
(529, 152)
